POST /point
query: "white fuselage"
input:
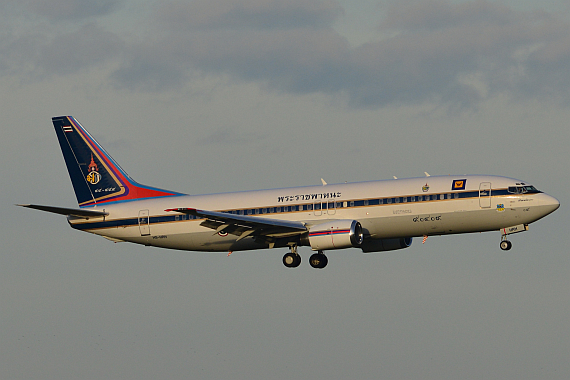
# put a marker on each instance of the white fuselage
(385, 209)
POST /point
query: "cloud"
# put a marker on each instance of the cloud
(231, 136)
(268, 41)
(439, 15)
(84, 48)
(247, 14)
(431, 51)
(71, 9)
(35, 55)
(437, 51)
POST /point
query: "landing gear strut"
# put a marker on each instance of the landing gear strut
(318, 260)
(505, 244)
(292, 259)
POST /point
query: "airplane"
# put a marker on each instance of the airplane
(373, 216)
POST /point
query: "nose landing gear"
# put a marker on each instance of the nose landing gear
(505, 245)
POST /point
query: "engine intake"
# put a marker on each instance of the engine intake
(335, 234)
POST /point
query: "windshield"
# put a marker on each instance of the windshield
(523, 189)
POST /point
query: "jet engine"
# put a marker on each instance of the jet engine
(335, 234)
(379, 245)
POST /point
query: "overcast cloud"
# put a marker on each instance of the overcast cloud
(429, 51)
(74, 10)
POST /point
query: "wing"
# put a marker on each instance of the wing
(244, 225)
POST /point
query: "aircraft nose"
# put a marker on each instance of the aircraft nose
(549, 203)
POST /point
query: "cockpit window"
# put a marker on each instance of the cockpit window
(522, 189)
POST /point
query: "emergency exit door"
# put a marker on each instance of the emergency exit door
(144, 223)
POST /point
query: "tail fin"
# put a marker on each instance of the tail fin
(95, 176)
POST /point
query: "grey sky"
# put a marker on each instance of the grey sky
(216, 96)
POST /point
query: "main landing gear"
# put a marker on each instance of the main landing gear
(293, 260)
(318, 260)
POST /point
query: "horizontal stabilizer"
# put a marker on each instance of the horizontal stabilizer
(69, 211)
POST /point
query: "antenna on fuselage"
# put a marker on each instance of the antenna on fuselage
(323, 181)
(427, 174)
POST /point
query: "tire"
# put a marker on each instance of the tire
(506, 245)
(291, 260)
(318, 260)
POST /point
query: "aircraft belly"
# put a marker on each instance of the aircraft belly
(205, 242)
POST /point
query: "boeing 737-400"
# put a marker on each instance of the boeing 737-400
(372, 216)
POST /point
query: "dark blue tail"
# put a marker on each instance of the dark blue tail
(95, 176)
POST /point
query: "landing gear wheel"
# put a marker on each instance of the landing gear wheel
(506, 245)
(291, 260)
(318, 260)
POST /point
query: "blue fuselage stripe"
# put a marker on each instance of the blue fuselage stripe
(297, 208)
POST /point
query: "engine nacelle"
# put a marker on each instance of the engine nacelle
(335, 234)
(379, 245)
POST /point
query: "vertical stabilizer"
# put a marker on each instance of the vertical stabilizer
(95, 175)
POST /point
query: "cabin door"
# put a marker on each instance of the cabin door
(144, 223)
(485, 195)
